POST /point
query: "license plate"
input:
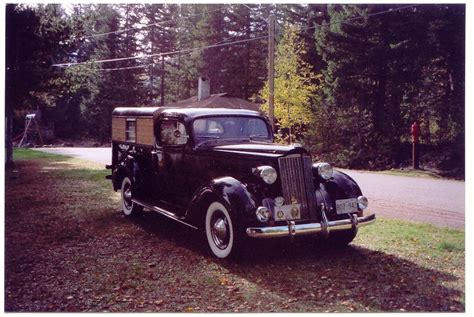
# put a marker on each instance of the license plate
(345, 206)
(287, 212)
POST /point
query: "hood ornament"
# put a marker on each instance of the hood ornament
(294, 201)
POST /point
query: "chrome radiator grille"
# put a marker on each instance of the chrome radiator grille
(297, 182)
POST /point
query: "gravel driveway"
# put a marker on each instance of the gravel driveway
(439, 202)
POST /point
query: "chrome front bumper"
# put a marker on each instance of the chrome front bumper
(323, 227)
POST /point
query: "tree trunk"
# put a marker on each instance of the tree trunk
(9, 142)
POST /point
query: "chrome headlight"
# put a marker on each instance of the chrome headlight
(268, 174)
(324, 170)
(263, 214)
(362, 202)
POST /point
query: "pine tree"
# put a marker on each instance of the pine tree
(386, 68)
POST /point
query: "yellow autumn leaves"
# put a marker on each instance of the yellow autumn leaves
(295, 84)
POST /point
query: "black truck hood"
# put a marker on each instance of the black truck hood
(259, 149)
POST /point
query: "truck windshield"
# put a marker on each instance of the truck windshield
(250, 128)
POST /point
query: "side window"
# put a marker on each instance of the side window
(131, 130)
(173, 132)
(206, 127)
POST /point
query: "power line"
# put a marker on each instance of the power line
(123, 68)
(361, 17)
(219, 44)
(135, 67)
(189, 50)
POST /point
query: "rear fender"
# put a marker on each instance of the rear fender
(124, 168)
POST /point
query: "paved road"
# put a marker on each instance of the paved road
(440, 202)
(100, 155)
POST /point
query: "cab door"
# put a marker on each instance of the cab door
(171, 139)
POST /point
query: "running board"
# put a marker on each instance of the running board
(162, 211)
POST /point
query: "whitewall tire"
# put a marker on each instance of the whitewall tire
(129, 208)
(220, 230)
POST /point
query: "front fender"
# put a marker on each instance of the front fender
(339, 186)
(228, 189)
(342, 186)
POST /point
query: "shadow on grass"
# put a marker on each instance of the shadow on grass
(373, 280)
(317, 278)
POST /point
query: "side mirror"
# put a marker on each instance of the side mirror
(173, 133)
(181, 138)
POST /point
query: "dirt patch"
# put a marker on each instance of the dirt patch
(68, 248)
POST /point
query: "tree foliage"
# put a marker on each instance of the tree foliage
(295, 85)
(350, 79)
(384, 71)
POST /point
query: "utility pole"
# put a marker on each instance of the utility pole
(152, 94)
(162, 104)
(271, 69)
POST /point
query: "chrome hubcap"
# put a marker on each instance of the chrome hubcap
(127, 195)
(220, 230)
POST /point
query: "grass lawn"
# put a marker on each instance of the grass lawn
(68, 248)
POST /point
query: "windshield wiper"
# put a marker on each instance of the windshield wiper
(257, 136)
(210, 137)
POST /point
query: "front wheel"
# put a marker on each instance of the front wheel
(341, 239)
(220, 232)
(129, 208)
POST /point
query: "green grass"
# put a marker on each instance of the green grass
(27, 154)
(388, 235)
(416, 241)
(64, 166)
(451, 246)
(392, 264)
(85, 174)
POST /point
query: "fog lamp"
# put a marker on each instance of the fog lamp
(362, 202)
(263, 214)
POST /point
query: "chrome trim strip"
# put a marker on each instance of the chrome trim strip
(163, 212)
(324, 222)
(310, 228)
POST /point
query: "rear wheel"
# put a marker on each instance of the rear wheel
(129, 208)
(220, 230)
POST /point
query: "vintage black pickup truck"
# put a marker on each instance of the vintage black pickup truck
(219, 171)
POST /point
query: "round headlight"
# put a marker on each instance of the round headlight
(362, 202)
(268, 174)
(324, 170)
(263, 214)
